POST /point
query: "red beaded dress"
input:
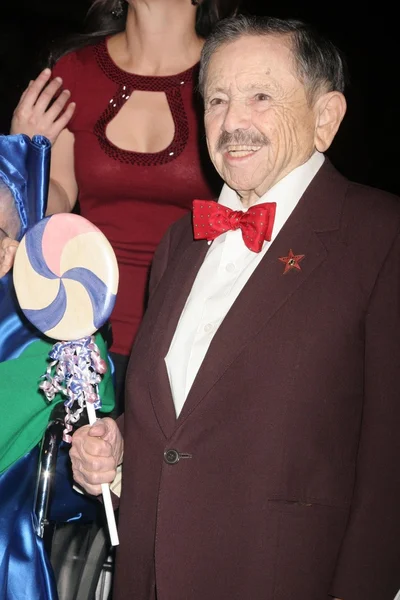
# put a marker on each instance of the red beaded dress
(133, 197)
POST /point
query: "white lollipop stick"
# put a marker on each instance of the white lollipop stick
(105, 490)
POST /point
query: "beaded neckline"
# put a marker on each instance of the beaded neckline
(155, 83)
(126, 84)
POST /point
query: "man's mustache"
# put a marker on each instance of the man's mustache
(241, 138)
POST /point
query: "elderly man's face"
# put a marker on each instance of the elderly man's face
(259, 124)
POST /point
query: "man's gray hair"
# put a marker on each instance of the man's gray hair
(317, 62)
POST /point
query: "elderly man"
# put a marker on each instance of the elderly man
(260, 449)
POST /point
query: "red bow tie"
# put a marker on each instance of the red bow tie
(210, 219)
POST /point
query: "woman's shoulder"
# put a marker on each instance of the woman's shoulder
(83, 56)
(78, 65)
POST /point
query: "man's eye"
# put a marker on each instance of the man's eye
(216, 101)
(261, 97)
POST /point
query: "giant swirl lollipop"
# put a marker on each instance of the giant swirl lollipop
(66, 280)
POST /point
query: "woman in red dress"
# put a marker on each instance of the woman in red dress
(127, 134)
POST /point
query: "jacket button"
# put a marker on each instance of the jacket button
(171, 456)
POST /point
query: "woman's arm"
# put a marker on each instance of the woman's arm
(63, 189)
(43, 110)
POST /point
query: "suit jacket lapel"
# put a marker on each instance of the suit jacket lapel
(174, 295)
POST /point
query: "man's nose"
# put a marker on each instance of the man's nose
(238, 116)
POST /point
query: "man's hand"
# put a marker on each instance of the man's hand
(42, 110)
(8, 248)
(96, 452)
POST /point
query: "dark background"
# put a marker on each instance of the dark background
(366, 148)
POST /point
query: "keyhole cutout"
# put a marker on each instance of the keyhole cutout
(143, 124)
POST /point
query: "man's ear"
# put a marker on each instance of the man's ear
(330, 109)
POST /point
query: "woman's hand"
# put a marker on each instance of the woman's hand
(41, 110)
(8, 248)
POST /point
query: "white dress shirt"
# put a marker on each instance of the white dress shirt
(225, 271)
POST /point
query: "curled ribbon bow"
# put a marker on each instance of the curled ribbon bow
(75, 372)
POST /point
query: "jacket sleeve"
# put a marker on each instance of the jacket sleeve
(368, 566)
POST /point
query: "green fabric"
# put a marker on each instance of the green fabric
(24, 408)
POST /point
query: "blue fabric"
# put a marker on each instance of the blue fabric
(25, 573)
(66, 503)
(24, 169)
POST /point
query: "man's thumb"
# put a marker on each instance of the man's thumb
(98, 429)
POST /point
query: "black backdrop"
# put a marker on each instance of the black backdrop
(366, 147)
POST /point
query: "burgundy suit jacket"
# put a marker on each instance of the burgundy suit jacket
(285, 483)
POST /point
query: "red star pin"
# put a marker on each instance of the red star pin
(292, 261)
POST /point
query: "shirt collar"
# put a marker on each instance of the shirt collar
(286, 193)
